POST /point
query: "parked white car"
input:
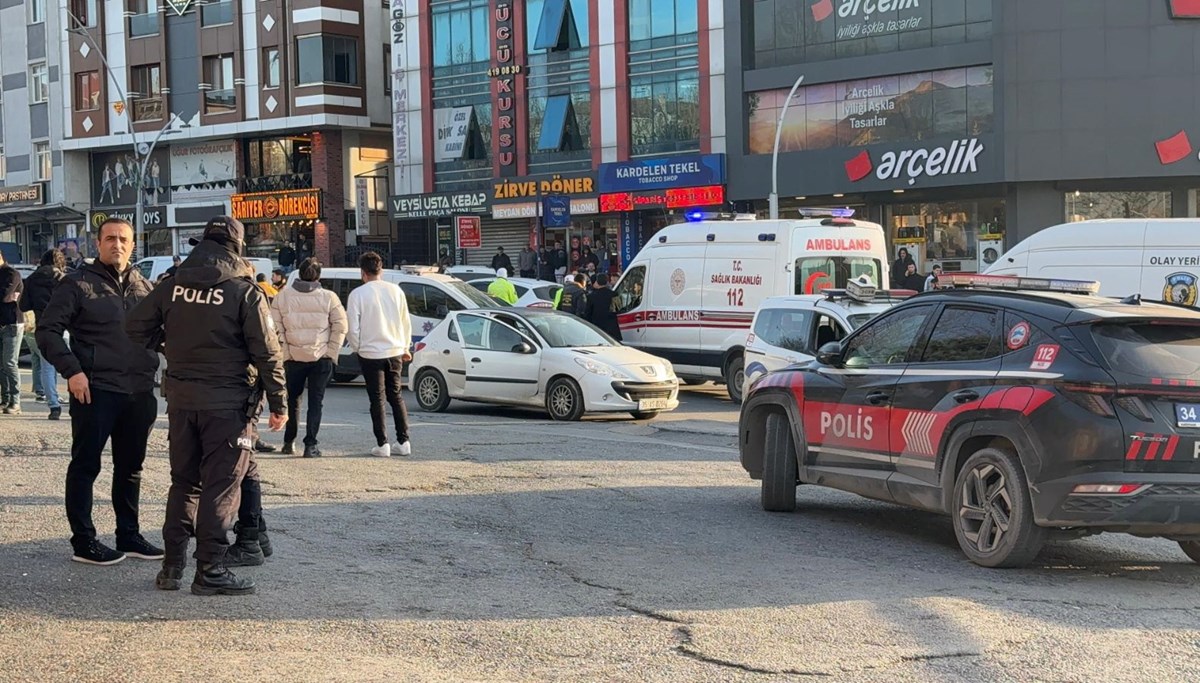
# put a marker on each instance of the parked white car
(154, 266)
(790, 329)
(468, 273)
(530, 293)
(530, 357)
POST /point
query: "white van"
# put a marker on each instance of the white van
(430, 297)
(690, 294)
(153, 266)
(1157, 258)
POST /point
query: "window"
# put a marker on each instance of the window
(3, 164)
(963, 334)
(1083, 206)
(560, 129)
(39, 83)
(630, 288)
(784, 328)
(387, 68)
(650, 19)
(502, 338)
(887, 341)
(914, 106)
(428, 302)
(557, 25)
(1150, 350)
(829, 330)
(37, 11)
(218, 74)
(665, 113)
(271, 67)
(146, 87)
(42, 162)
(87, 91)
(460, 32)
(817, 273)
(216, 13)
(327, 59)
(143, 18)
(85, 12)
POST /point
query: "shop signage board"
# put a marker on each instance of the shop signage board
(16, 196)
(439, 205)
(152, 216)
(452, 131)
(286, 205)
(556, 211)
(115, 178)
(204, 170)
(680, 198)
(697, 170)
(630, 230)
(446, 240)
(508, 91)
(579, 207)
(535, 187)
(469, 234)
(362, 209)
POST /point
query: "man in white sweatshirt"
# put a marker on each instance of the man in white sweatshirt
(380, 332)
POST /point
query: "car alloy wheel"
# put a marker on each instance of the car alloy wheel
(564, 400)
(430, 389)
(987, 509)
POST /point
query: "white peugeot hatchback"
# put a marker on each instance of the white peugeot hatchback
(531, 357)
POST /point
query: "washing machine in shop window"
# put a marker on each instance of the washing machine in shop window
(989, 252)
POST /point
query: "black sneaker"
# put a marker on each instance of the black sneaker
(312, 452)
(216, 579)
(139, 547)
(288, 448)
(264, 447)
(55, 414)
(170, 578)
(97, 553)
(40, 398)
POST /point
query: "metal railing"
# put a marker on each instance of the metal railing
(275, 183)
(148, 109)
(220, 101)
(216, 13)
(143, 25)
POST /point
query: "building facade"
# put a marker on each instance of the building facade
(39, 208)
(583, 122)
(963, 126)
(266, 110)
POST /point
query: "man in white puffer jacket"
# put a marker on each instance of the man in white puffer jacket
(312, 326)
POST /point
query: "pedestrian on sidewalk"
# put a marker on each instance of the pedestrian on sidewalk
(600, 309)
(502, 290)
(527, 261)
(12, 332)
(222, 355)
(111, 381)
(39, 287)
(379, 330)
(312, 328)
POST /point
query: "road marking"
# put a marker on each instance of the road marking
(562, 432)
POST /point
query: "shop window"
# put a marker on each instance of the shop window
(327, 59)
(87, 91)
(950, 234)
(1082, 206)
(903, 108)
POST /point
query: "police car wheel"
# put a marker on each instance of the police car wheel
(993, 512)
(431, 391)
(779, 473)
(564, 400)
(735, 378)
(1191, 549)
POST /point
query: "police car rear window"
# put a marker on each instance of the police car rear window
(1150, 350)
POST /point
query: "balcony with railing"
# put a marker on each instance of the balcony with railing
(276, 183)
(141, 25)
(220, 101)
(148, 109)
(216, 13)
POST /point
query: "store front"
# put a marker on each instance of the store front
(519, 217)
(159, 238)
(430, 218)
(280, 225)
(646, 195)
(36, 225)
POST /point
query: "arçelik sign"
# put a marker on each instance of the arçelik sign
(961, 156)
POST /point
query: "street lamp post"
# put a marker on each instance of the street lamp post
(77, 27)
(773, 200)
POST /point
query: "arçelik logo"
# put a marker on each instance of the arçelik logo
(1185, 9)
(824, 9)
(962, 156)
(1175, 148)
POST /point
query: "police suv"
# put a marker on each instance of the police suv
(1021, 407)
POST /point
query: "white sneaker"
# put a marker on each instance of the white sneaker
(384, 451)
(404, 449)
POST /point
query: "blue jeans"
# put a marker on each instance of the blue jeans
(35, 363)
(49, 377)
(11, 337)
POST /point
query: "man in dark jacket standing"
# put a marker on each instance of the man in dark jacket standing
(572, 298)
(39, 286)
(12, 331)
(501, 260)
(112, 390)
(599, 309)
(220, 342)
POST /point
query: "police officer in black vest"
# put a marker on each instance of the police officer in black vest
(220, 343)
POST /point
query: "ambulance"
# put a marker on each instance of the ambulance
(691, 293)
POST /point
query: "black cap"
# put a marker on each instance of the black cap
(223, 228)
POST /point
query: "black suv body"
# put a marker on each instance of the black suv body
(1018, 413)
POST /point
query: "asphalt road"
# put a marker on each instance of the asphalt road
(510, 548)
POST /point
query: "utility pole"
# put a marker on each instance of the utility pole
(773, 200)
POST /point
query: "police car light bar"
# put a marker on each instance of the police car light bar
(845, 212)
(1016, 282)
(695, 216)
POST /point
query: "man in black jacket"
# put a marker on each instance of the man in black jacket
(501, 260)
(39, 287)
(111, 382)
(572, 298)
(12, 331)
(599, 309)
(220, 342)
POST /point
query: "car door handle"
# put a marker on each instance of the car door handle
(476, 360)
(878, 398)
(446, 352)
(966, 396)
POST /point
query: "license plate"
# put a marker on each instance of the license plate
(1187, 414)
(652, 404)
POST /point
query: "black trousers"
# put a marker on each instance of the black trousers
(316, 377)
(210, 454)
(383, 386)
(528, 273)
(127, 419)
(250, 513)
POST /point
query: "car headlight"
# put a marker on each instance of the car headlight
(599, 368)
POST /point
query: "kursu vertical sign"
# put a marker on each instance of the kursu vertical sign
(507, 74)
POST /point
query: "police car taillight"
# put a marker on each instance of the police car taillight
(419, 346)
(1108, 489)
(1015, 282)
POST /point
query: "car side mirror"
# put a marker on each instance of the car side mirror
(523, 348)
(830, 354)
